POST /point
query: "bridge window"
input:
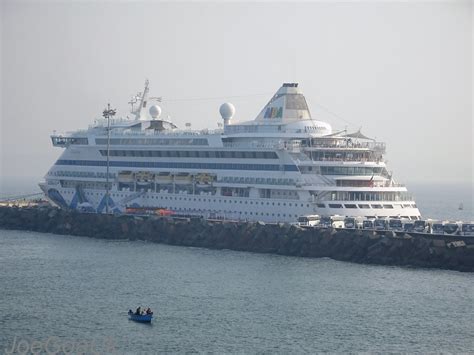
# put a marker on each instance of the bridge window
(65, 141)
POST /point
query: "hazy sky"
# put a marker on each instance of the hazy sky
(400, 70)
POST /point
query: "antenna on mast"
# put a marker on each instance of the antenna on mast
(132, 102)
(143, 99)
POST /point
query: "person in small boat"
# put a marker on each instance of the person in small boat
(138, 311)
(148, 311)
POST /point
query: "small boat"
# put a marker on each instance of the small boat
(461, 206)
(141, 318)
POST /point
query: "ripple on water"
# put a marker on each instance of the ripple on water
(225, 301)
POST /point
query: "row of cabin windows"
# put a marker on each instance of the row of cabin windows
(153, 141)
(370, 196)
(364, 206)
(84, 174)
(190, 154)
(284, 204)
(343, 170)
(343, 156)
(199, 199)
(181, 165)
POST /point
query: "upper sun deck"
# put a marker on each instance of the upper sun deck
(284, 123)
(130, 134)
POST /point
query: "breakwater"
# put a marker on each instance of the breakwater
(360, 246)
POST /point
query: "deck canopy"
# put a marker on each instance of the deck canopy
(358, 135)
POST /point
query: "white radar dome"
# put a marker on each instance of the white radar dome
(155, 111)
(227, 110)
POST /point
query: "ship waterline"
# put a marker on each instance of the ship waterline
(276, 168)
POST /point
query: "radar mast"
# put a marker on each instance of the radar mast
(143, 100)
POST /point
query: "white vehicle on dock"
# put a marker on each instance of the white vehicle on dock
(309, 221)
(395, 224)
(368, 224)
(380, 224)
(331, 222)
(409, 226)
(420, 226)
(337, 221)
(452, 228)
(435, 226)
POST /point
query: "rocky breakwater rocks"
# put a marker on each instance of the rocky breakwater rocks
(360, 246)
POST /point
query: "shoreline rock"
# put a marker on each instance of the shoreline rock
(359, 246)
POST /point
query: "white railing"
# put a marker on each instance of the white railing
(377, 146)
(256, 145)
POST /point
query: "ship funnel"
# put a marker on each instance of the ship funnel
(288, 104)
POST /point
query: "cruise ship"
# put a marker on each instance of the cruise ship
(275, 168)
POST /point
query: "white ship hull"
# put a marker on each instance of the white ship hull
(231, 208)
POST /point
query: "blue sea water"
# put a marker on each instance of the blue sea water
(66, 292)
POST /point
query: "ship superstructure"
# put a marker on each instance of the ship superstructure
(275, 168)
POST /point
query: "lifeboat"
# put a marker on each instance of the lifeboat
(126, 176)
